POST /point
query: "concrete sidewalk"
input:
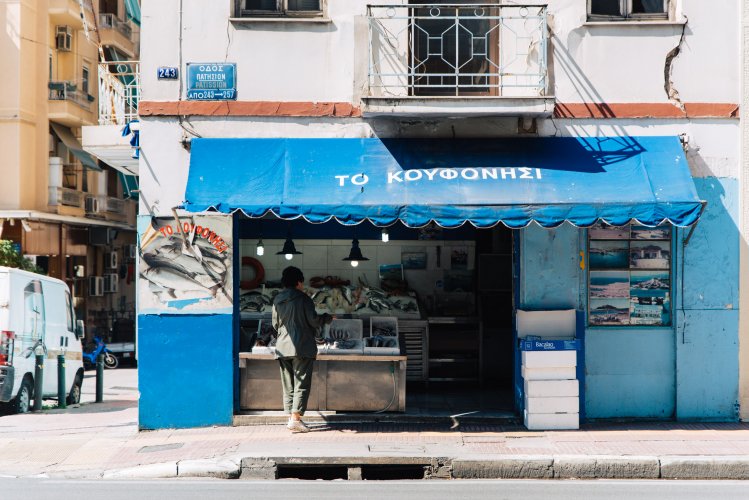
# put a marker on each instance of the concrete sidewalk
(102, 441)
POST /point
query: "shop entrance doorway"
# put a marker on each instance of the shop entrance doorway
(470, 346)
(447, 294)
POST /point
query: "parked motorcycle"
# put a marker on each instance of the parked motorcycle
(99, 347)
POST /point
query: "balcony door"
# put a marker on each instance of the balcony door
(454, 48)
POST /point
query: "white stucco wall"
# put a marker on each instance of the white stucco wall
(297, 61)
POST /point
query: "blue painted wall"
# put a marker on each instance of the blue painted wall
(707, 309)
(629, 373)
(550, 268)
(688, 371)
(185, 371)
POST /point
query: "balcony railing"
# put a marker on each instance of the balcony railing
(457, 50)
(119, 91)
(68, 91)
(114, 205)
(110, 21)
(64, 196)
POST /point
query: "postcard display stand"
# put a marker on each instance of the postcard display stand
(549, 366)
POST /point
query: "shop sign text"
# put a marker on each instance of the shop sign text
(448, 174)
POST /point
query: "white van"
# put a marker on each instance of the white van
(36, 315)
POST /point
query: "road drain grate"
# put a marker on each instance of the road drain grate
(312, 472)
(370, 472)
(392, 472)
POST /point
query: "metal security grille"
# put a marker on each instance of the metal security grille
(457, 49)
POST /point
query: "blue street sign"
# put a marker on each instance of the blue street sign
(211, 81)
(167, 73)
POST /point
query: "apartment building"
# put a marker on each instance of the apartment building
(67, 210)
(469, 162)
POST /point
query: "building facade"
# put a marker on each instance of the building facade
(66, 210)
(660, 318)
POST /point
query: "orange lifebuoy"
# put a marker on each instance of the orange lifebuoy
(259, 273)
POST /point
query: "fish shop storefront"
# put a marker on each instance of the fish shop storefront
(448, 264)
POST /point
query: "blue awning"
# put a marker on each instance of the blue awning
(481, 181)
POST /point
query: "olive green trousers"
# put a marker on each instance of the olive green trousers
(296, 379)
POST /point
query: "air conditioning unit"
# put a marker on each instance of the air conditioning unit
(92, 205)
(131, 251)
(101, 235)
(95, 286)
(111, 283)
(63, 38)
(110, 260)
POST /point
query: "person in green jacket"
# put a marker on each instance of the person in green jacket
(297, 322)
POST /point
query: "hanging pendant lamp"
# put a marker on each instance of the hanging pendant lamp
(289, 250)
(355, 254)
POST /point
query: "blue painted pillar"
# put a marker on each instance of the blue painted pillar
(185, 370)
(707, 353)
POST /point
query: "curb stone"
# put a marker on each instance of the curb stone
(220, 469)
(149, 471)
(606, 467)
(258, 468)
(717, 467)
(516, 467)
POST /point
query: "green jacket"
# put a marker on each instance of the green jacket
(295, 320)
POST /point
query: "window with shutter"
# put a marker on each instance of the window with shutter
(253, 8)
(628, 10)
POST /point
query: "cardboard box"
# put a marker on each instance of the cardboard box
(549, 359)
(554, 373)
(551, 421)
(552, 405)
(551, 388)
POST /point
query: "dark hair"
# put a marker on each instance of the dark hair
(291, 276)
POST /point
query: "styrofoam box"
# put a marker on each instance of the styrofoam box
(554, 373)
(354, 327)
(551, 421)
(551, 388)
(547, 324)
(383, 321)
(356, 349)
(382, 351)
(552, 405)
(549, 359)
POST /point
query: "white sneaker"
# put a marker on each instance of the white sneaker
(297, 426)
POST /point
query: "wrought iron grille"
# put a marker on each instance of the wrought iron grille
(457, 49)
(119, 92)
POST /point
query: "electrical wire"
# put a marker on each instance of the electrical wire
(395, 389)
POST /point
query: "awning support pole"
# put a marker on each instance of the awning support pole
(692, 228)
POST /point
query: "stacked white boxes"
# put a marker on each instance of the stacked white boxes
(549, 363)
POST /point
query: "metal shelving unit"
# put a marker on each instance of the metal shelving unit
(454, 349)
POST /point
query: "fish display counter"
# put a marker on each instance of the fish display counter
(340, 382)
(361, 363)
(342, 300)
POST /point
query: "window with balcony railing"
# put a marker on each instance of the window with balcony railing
(457, 48)
(69, 91)
(111, 21)
(119, 92)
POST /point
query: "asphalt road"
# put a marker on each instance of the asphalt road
(49, 489)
